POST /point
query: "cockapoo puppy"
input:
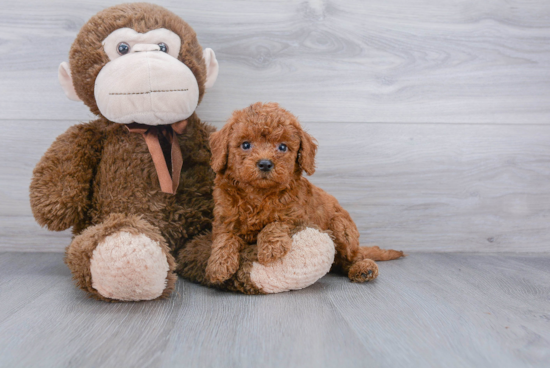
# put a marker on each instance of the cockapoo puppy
(261, 196)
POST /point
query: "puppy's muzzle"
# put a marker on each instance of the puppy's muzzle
(265, 165)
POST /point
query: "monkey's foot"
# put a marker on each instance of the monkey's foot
(129, 267)
(310, 258)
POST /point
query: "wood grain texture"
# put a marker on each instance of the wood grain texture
(429, 187)
(436, 187)
(427, 310)
(419, 61)
(432, 117)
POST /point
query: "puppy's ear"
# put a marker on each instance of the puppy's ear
(306, 154)
(219, 145)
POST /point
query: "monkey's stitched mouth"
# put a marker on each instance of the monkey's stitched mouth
(145, 93)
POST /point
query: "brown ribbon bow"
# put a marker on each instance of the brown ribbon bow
(168, 184)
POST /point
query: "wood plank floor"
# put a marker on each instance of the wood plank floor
(427, 310)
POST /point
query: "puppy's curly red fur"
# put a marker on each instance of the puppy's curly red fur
(264, 206)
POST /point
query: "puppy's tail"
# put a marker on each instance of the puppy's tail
(377, 254)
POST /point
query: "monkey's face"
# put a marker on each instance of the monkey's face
(142, 77)
(144, 82)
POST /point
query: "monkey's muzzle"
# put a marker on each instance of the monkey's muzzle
(149, 87)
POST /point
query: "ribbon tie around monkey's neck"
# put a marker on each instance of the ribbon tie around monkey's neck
(168, 183)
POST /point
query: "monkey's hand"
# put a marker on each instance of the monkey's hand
(60, 186)
(224, 259)
(274, 242)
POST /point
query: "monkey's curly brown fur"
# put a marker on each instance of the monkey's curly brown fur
(263, 207)
(98, 169)
(98, 176)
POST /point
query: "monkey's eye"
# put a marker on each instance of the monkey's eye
(282, 147)
(246, 146)
(163, 47)
(123, 48)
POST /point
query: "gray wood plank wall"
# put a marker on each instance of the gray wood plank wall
(433, 116)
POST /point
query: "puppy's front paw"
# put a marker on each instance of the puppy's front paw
(365, 270)
(221, 267)
(272, 247)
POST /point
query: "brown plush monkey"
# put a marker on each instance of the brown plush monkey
(135, 184)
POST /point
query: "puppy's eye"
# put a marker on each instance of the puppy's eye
(246, 146)
(163, 47)
(123, 48)
(282, 147)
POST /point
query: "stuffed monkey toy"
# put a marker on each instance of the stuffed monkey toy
(135, 185)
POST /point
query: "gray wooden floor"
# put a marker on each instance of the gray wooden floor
(427, 310)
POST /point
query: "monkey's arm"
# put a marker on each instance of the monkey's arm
(60, 186)
(274, 242)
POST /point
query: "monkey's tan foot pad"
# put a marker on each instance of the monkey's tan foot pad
(310, 258)
(129, 267)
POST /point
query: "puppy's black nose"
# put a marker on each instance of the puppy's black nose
(265, 165)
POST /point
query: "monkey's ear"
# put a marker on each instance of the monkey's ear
(66, 81)
(306, 154)
(211, 67)
(219, 142)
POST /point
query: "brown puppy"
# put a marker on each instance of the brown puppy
(261, 197)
